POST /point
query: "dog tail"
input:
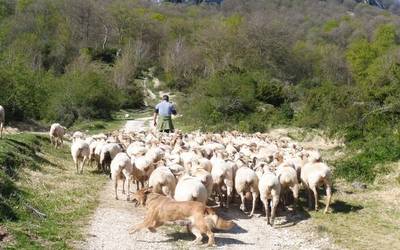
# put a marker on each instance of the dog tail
(217, 221)
(223, 224)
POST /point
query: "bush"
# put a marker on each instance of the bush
(367, 164)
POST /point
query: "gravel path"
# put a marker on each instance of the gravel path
(113, 218)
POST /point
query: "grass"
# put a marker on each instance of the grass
(43, 178)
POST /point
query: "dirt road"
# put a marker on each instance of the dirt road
(113, 218)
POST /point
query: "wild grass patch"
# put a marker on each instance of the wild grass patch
(48, 205)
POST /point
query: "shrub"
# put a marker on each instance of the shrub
(366, 165)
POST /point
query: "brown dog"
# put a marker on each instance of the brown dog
(161, 209)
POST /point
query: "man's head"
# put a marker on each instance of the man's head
(165, 98)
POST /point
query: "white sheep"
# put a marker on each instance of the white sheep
(190, 189)
(145, 166)
(121, 169)
(205, 177)
(56, 134)
(2, 120)
(313, 175)
(163, 181)
(287, 176)
(136, 149)
(246, 180)
(80, 153)
(270, 189)
(78, 135)
(223, 175)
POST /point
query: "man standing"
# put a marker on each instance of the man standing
(164, 109)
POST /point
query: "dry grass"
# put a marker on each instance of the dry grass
(363, 219)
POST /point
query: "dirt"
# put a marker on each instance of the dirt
(112, 219)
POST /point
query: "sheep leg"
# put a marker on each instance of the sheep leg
(314, 189)
(266, 206)
(1, 130)
(127, 177)
(328, 197)
(219, 192)
(242, 206)
(115, 186)
(228, 195)
(123, 185)
(255, 195)
(83, 163)
(129, 187)
(274, 205)
(77, 165)
(309, 198)
(295, 191)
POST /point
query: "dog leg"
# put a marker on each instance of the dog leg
(211, 240)
(199, 236)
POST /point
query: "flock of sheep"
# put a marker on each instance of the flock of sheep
(206, 167)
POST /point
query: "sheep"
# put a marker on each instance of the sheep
(121, 168)
(163, 181)
(190, 189)
(136, 149)
(80, 153)
(313, 175)
(108, 152)
(145, 166)
(223, 174)
(246, 180)
(155, 154)
(94, 156)
(287, 176)
(56, 134)
(270, 189)
(78, 135)
(2, 120)
(205, 177)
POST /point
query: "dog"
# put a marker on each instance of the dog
(162, 209)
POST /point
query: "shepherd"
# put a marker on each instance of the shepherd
(164, 110)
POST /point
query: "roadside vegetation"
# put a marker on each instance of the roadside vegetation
(43, 202)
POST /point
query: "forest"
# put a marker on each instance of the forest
(244, 65)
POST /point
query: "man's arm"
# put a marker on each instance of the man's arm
(155, 117)
(173, 110)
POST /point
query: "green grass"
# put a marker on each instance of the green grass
(34, 174)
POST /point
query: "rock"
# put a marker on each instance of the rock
(359, 185)
(3, 235)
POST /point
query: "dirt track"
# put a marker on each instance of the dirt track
(109, 227)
